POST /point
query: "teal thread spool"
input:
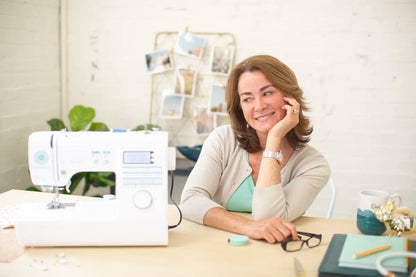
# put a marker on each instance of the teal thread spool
(238, 240)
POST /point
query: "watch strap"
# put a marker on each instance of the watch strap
(275, 155)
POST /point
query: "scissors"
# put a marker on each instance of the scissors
(299, 269)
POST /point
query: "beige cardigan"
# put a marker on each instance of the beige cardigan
(222, 166)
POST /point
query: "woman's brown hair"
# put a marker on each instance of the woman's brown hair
(281, 77)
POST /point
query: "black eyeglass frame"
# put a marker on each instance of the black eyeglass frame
(300, 234)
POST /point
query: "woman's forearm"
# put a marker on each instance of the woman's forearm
(272, 229)
(269, 171)
(224, 220)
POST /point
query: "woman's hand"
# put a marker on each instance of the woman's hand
(289, 121)
(272, 230)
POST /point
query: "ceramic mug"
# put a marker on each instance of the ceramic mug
(369, 200)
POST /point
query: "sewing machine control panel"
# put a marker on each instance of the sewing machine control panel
(142, 178)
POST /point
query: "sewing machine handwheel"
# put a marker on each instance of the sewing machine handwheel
(142, 199)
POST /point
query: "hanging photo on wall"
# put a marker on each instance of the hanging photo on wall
(189, 44)
(203, 120)
(221, 119)
(221, 59)
(159, 61)
(217, 102)
(185, 81)
(172, 105)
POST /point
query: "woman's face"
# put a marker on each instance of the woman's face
(260, 101)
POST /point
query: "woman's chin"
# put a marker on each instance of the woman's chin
(263, 129)
(264, 126)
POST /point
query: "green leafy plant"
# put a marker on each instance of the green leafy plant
(80, 119)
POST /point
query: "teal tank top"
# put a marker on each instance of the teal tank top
(241, 199)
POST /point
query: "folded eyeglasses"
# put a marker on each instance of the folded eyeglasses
(311, 240)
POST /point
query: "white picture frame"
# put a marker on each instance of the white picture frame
(189, 44)
(204, 121)
(221, 119)
(217, 103)
(221, 60)
(159, 61)
(185, 81)
(172, 105)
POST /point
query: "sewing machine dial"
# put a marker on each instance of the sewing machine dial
(142, 199)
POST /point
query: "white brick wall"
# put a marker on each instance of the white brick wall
(355, 60)
(29, 81)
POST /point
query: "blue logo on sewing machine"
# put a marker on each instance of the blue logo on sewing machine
(41, 157)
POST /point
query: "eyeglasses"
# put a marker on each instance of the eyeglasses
(313, 240)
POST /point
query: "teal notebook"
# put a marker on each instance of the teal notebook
(329, 266)
(356, 243)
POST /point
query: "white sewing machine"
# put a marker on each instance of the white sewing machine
(138, 215)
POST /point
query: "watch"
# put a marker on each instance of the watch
(276, 155)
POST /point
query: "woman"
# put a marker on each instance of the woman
(261, 163)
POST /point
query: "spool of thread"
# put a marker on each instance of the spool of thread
(238, 240)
